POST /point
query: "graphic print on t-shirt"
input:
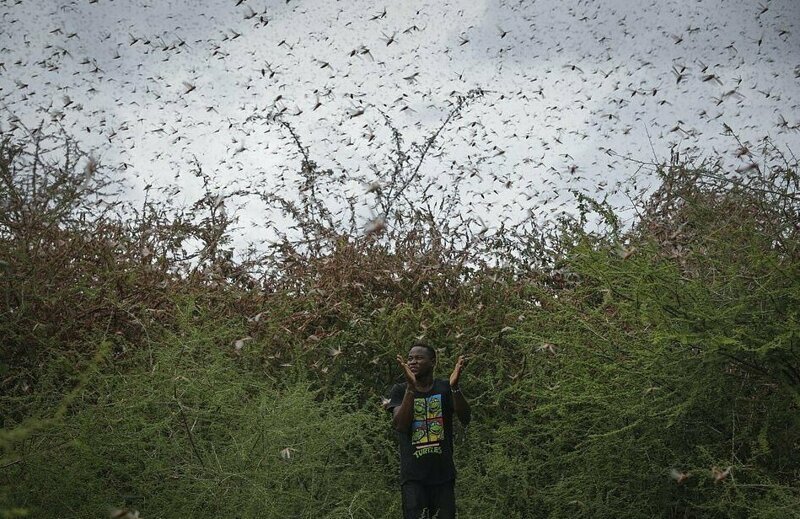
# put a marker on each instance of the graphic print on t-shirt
(427, 429)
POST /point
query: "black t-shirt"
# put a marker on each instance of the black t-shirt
(426, 449)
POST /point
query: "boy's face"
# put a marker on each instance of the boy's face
(420, 361)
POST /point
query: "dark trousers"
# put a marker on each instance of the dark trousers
(425, 501)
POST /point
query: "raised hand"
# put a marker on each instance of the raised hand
(456, 374)
(410, 377)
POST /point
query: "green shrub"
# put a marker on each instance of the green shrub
(644, 372)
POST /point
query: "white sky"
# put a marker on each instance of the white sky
(566, 80)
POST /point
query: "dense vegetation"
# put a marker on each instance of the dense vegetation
(649, 370)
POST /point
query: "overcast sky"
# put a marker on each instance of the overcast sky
(572, 88)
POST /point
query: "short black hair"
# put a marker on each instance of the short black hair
(420, 344)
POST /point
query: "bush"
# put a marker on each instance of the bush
(639, 372)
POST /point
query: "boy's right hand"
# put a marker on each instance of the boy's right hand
(411, 379)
